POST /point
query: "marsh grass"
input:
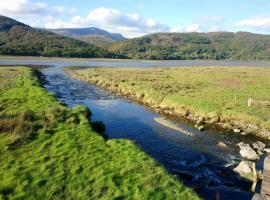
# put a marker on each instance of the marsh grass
(220, 94)
(62, 157)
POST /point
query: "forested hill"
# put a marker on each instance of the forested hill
(91, 35)
(19, 39)
(216, 45)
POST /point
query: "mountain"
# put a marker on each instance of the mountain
(91, 35)
(17, 38)
(215, 45)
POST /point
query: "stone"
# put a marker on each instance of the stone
(258, 145)
(257, 196)
(243, 168)
(236, 130)
(222, 145)
(214, 120)
(260, 152)
(201, 128)
(244, 133)
(267, 150)
(247, 152)
(200, 120)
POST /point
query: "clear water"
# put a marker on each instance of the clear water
(196, 160)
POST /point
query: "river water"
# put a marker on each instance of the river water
(196, 160)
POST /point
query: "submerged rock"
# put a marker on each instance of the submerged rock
(172, 125)
(247, 152)
(258, 145)
(222, 145)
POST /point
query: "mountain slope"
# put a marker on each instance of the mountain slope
(19, 39)
(216, 45)
(90, 35)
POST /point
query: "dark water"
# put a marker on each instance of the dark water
(197, 160)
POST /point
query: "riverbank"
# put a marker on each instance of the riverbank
(48, 151)
(234, 98)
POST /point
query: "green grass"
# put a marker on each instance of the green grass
(50, 152)
(219, 94)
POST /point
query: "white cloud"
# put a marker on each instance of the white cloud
(45, 15)
(133, 24)
(113, 20)
(259, 22)
(13, 8)
(193, 28)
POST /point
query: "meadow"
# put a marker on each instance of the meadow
(234, 98)
(48, 151)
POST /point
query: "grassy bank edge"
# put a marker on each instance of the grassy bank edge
(27, 175)
(190, 113)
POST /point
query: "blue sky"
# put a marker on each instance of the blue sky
(137, 17)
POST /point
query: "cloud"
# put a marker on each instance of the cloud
(193, 28)
(134, 24)
(206, 24)
(113, 20)
(45, 15)
(259, 22)
(27, 8)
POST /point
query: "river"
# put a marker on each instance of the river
(196, 160)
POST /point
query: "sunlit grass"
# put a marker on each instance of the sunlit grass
(203, 91)
(59, 156)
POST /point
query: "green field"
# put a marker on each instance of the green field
(218, 95)
(48, 151)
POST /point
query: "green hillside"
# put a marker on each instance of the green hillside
(216, 45)
(19, 39)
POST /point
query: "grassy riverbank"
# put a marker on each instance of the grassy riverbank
(211, 95)
(50, 152)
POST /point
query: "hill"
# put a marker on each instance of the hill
(90, 35)
(19, 39)
(215, 45)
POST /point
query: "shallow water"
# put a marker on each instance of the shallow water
(197, 160)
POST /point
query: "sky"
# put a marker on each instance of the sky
(133, 18)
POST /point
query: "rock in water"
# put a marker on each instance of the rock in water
(257, 196)
(201, 128)
(243, 168)
(222, 145)
(247, 152)
(258, 145)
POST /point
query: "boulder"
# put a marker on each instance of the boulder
(258, 145)
(243, 168)
(247, 152)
